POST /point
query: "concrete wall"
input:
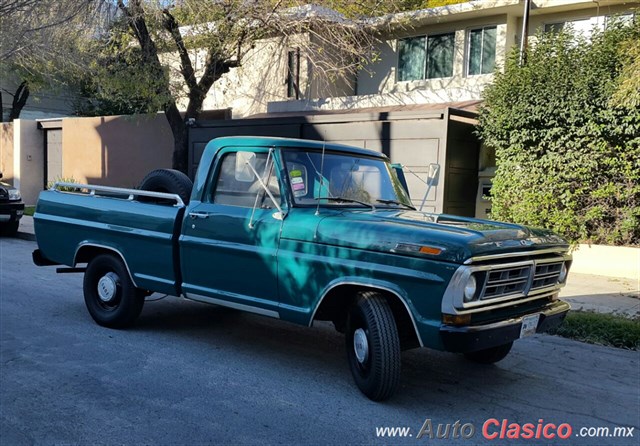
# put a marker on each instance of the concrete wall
(115, 150)
(612, 261)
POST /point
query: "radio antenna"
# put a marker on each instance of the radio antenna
(324, 143)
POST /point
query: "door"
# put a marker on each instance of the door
(53, 163)
(230, 239)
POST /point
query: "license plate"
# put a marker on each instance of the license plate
(529, 325)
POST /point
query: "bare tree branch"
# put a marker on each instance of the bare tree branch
(19, 101)
(186, 66)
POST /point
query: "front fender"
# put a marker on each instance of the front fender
(371, 284)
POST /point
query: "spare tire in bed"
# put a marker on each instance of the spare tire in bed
(169, 181)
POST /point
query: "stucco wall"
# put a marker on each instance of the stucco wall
(115, 150)
(6, 152)
(248, 88)
(597, 15)
(28, 159)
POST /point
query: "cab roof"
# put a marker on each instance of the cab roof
(288, 143)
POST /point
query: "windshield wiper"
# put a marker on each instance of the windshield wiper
(348, 200)
(399, 203)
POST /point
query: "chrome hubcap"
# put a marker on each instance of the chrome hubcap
(361, 345)
(107, 286)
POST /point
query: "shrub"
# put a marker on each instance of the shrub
(63, 180)
(567, 153)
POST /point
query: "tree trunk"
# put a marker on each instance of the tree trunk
(214, 69)
(180, 133)
(19, 101)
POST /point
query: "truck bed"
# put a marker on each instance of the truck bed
(93, 217)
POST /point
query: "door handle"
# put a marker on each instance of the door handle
(195, 215)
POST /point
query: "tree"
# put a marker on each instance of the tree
(112, 81)
(227, 29)
(34, 34)
(568, 153)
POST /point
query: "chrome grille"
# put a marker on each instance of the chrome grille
(546, 274)
(506, 281)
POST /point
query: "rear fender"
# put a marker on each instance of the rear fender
(88, 251)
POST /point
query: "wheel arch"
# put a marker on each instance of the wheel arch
(88, 251)
(339, 295)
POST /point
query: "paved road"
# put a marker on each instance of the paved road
(195, 374)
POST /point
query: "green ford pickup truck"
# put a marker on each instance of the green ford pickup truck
(304, 231)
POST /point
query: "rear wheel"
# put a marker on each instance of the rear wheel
(373, 346)
(109, 294)
(490, 355)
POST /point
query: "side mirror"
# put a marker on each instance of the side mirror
(243, 172)
(432, 180)
(432, 175)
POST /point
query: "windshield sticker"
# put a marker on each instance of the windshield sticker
(297, 183)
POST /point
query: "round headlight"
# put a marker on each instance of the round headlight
(470, 289)
(563, 273)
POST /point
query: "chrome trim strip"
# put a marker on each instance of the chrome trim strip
(544, 295)
(372, 286)
(557, 309)
(92, 189)
(108, 248)
(505, 255)
(234, 305)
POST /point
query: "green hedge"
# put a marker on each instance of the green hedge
(567, 153)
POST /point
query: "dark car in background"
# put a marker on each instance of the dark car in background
(11, 209)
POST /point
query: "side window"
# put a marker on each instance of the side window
(426, 57)
(234, 189)
(482, 50)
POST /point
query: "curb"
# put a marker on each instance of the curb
(26, 236)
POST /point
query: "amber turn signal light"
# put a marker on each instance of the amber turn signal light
(456, 319)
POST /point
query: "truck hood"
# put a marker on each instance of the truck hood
(458, 238)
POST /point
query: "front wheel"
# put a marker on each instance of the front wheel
(490, 355)
(373, 346)
(109, 294)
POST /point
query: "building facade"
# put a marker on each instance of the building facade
(438, 55)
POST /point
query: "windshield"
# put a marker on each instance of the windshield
(342, 180)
